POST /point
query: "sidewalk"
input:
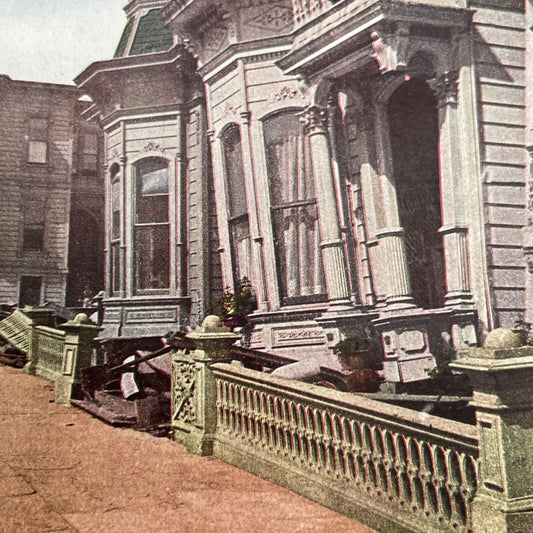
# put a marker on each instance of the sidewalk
(62, 470)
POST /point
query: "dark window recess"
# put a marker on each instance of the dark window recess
(88, 153)
(33, 239)
(414, 131)
(30, 290)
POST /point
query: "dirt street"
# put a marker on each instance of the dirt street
(62, 470)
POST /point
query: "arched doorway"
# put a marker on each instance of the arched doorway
(414, 133)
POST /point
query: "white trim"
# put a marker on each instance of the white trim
(241, 55)
(130, 118)
(335, 43)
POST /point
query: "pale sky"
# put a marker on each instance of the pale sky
(55, 40)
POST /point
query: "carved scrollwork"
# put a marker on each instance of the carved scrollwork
(286, 93)
(184, 376)
(151, 146)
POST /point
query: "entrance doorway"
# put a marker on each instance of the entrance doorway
(414, 131)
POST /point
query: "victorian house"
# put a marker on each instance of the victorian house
(363, 163)
(52, 198)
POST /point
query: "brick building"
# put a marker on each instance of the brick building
(52, 195)
(367, 169)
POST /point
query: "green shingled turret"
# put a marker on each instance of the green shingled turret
(151, 35)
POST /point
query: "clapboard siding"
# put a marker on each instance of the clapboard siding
(499, 54)
(22, 181)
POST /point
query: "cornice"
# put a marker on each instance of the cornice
(142, 114)
(174, 55)
(270, 48)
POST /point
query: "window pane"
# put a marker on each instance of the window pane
(30, 290)
(235, 172)
(153, 180)
(152, 209)
(37, 152)
(115, 268)
(33, 239)
(115, 208)
(240, 247)
(296, 233)
(152, 270)
(38, 129)
(152, 191)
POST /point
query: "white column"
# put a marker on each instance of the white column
(331, 244)
(393, 268)
(454, 231)
(123, 207)
(178, 275)
(255, 233)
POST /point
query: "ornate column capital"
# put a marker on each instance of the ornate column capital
(123, 159)
(445, 87)
(315, 119)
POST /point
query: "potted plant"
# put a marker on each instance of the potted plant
(235, 306)
(358, 356)
(356, 352)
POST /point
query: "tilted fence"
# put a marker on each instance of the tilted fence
(56, 353)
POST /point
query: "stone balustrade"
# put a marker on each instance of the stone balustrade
(392, 468)
(381, 464)
(55, 353)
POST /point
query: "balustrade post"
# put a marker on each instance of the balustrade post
(77, 353)
(502, 378)
(194, 394)
(38, 316)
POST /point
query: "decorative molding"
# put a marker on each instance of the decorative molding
(445, 87)
(151, 146)
(184, 376)
(391, 48)
(275, 17)
(286, 93)
(315, 119)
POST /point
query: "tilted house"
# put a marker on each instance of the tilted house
(52, 198)
(368, 159)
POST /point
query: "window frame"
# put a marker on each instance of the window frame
(38, 136)
(138, 227)
(296, 204)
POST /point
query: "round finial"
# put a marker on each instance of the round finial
(212, 321)
(81, 318)
(502, 338)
